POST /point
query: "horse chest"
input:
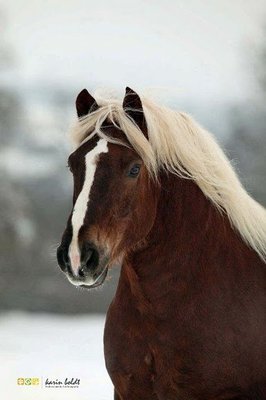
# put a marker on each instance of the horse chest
(127, 354)
(132, 354)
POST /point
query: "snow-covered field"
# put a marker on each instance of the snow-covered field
(53, 347)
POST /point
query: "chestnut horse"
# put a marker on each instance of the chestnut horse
(154, 192)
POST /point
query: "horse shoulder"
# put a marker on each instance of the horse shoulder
(127, 355)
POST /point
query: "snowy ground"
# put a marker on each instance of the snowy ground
(53, 347)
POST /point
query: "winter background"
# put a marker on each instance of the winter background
(207, 58)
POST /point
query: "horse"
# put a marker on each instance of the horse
(155, 193)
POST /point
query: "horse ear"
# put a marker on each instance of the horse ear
(132, 105)
(85, 103)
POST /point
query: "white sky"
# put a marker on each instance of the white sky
(193, 47)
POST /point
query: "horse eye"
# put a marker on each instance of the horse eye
(134, 171)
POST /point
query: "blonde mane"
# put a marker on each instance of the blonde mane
(180, 145)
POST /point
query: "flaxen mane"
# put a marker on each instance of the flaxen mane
(180, 145)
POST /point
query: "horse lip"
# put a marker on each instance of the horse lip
(99, 280)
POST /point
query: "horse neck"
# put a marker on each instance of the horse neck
(189, 237)
(187, 225)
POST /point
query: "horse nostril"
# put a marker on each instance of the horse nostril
(87, 257)
(89, 260)
(86, 264)
(81, 272)
(62, 258)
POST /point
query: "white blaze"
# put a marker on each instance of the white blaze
(80, 206)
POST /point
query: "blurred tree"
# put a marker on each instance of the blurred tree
(248, 140)
(260, 64)
(248, 147)
(10, 108)
(7, 58)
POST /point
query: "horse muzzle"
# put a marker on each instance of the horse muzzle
(87, 268)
